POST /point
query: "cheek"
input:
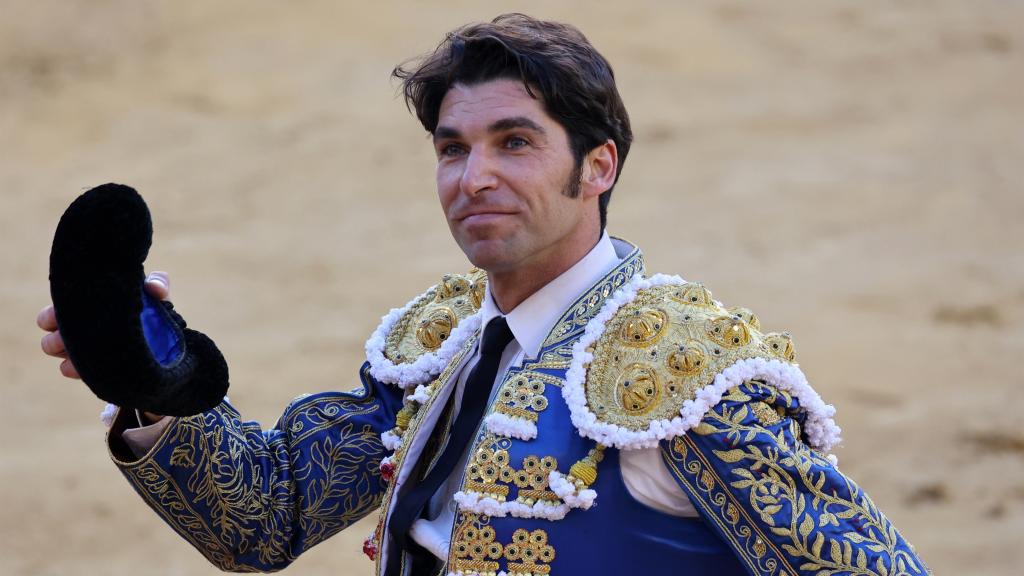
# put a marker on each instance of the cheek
(447, 187)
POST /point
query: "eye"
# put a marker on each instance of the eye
(449, 150)
(515, 142)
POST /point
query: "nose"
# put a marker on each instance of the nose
(478, 173)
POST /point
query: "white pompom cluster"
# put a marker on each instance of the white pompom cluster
(391, 440)
(421, 395)
(510, 427)
(822, 431)
(482, 504)
(569, 493)
(108, 414)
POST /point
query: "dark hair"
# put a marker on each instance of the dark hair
(575, 83)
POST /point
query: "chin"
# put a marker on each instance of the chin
(489, 255)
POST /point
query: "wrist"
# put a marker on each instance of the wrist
(148, 418)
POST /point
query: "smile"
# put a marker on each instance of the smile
(483, 218)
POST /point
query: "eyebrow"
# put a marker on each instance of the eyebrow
(503, 125)
(513, 123)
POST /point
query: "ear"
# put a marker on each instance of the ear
(600, 166)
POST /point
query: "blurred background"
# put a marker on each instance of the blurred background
(851, 171)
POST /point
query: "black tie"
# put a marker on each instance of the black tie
(474, 401)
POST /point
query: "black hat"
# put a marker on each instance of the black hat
(130, 349)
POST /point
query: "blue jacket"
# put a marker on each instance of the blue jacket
(634, 362)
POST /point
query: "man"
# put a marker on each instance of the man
(555, 411)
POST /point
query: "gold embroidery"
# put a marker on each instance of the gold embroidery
(435, 327)
(584, 473)
(638, 389)
(746, 315)
(797, 499)
(529, 553)
(693, 294)
(405, 415)
(688, 359)
(729, 331)
(657, 351)
(644, 328)
(571, 324)
(765, 414)
(522, 396)
(532, 479)
(733, 521)
(780, 344)
(409, 433)
(220, 498)
(491, 466)
(430, 321)
(474, 550)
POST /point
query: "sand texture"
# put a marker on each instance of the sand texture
(851, 171)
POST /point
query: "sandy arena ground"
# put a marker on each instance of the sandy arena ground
(851, 171)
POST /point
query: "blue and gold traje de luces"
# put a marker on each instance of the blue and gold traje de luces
(540, 495)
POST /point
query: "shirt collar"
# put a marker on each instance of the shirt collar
(533, 318)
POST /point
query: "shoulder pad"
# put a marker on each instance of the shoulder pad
(414, 343)
(661, 353)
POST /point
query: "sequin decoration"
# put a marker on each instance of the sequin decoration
(474, 550)
(522, 397)
(490, 474)
(529, 554)
(426, 326)
(658, 350)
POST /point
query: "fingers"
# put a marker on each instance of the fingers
(47, 319)
(68, 370)
(158, 285)
(53, 345)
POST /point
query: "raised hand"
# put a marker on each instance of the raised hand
(158, 285)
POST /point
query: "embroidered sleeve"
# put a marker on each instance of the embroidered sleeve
(784, 508)
(253, 500)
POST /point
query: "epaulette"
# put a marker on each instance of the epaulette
(662, 352)
(414, 343)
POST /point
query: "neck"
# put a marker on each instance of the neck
(510, 288)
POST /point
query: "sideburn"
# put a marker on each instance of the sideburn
(574, 185)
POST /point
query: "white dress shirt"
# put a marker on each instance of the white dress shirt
(643, 471)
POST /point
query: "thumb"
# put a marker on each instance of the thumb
(158, 285)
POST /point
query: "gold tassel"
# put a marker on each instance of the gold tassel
(404, 416)
(584, 472)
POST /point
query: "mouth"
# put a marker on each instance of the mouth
(482, 217)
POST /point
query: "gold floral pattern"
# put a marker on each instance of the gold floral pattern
(253, 501)
(784, 508)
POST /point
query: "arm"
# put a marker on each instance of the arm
(782, 507)
(253, 500)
